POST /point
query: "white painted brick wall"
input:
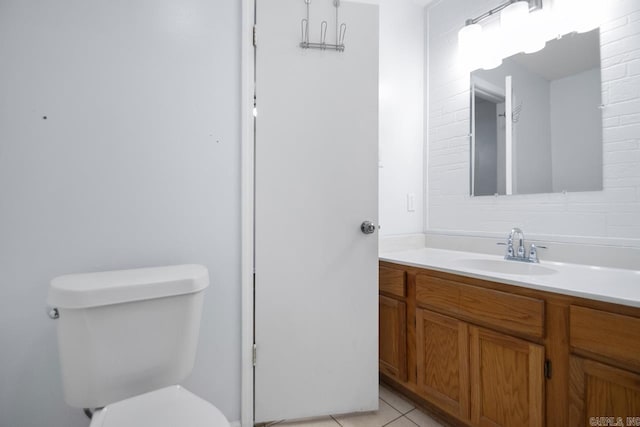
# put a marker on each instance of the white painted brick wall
(611, 216)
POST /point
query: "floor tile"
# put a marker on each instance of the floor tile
(315, 422)
(384, 415)
(402, 422)
(395, 400)
(422, 419)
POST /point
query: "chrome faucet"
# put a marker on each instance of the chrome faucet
(520, 253)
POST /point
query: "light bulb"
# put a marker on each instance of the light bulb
(469, 41)
(513, 16)
(513, 20)
(491, 50)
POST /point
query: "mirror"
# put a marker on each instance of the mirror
(536, 121)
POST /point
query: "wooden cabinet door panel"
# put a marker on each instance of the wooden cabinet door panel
(507, 381)
(599, 390)
(393, 281)
(393, 337)
(443, 361)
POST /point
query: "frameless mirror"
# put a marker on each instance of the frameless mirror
(536, 121)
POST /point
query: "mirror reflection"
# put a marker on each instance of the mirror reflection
(537, 120)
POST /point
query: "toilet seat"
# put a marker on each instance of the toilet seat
(171, 406)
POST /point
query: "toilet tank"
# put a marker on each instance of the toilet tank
(123, 333)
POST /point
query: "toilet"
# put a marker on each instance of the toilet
(126, 339)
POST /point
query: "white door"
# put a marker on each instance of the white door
(316, 287)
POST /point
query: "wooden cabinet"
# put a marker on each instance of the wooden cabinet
(605, 379)
(477, 353)
(393, 338)
(476, 374)
(507, 380)
(392, 344)
(393, 282)
(483, 376)
(437, 342)
(599, 390)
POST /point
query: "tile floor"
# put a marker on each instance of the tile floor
(394, 411)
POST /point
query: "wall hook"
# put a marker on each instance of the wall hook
(341, 30)
(323, 32)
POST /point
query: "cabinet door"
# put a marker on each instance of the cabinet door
(393, 338)
(507, 380)
(598, 390)
(443, 361)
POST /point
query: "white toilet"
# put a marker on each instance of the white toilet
(126, 338)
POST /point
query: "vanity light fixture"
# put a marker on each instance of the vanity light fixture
(524, 27)
(479, 48)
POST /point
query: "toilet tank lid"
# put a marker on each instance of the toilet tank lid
(114, 287)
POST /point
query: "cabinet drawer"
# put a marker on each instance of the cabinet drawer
(489, 307)
(393, 281)
(604, 333)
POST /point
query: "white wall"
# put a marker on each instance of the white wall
(611, 215)
(576, 123)
(136, 164)
(401, 115)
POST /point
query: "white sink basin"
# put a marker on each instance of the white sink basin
(507, 267)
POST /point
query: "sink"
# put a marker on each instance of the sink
(506, 267)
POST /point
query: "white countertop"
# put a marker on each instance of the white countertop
(618, 286)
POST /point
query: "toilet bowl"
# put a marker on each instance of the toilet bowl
(171, 406)
(126, 338)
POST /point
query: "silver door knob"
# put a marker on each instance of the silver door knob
(368, 227)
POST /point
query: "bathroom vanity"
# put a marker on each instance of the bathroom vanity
(477, 348)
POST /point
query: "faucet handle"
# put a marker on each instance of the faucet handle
(509, 246)
(533, 252)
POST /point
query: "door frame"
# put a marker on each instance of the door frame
(247, 176)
